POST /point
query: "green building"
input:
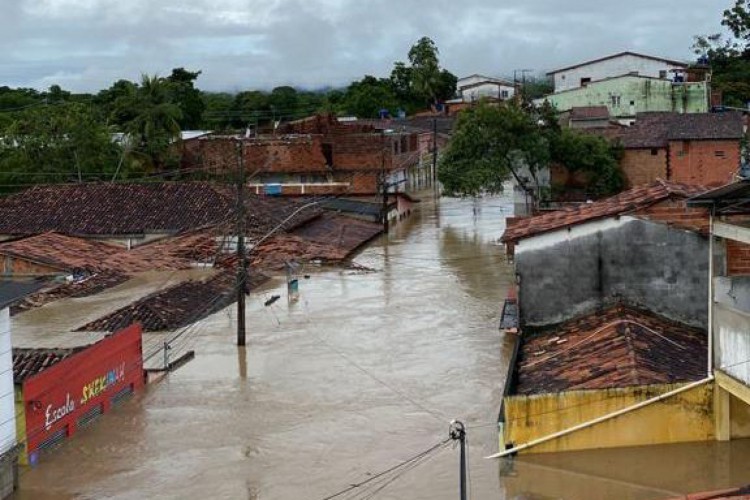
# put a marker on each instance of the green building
(627, 95)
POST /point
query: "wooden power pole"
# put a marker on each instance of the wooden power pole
(241, 254)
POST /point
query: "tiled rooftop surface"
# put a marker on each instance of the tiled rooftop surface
(615, 348)
(655, 130)
(118, 209)
(176, 306)
(29, 362)
(345, 233)
(84, 288)
(589, 113)
(621, 204)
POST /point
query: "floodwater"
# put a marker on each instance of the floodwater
(366, 370)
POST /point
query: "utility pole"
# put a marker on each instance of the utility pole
(457, 432)
(241, 254)
(434, 154)
(384, 185)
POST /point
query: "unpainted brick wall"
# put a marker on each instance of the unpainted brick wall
(676, 212)
(738, 258)
(644, 166)
(707, 163)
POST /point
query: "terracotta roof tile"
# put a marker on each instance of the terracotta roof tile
(618, 347)
(589, 113)
(29, 362)
(623, 203)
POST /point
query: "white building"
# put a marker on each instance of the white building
(475, 87)
(624, 63)
(8, 453)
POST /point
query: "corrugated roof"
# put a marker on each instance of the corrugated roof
(623, 203)
(619, 347)
(12, 292)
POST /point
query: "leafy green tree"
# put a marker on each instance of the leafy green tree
(219, 108)
(182, 92)
(105, 102)
(368, 96)
(65, 142)
(425, 69)
(490, 145)
(151, 123)
(595, 156)
(283, 101)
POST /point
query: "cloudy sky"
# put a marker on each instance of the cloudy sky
(85, 45)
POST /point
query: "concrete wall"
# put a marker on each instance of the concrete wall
(8, 459)
(645, 94)
(622, 65)
(682, 418)
(7, 408)
(488, 89)
(732, 341)
(573, 271)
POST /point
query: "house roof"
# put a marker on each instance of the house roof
(619, 347)
(12, 292)
(733, 195)
(120, 209)
(623, 203)
(29, 362)
(176, 306)
(655, 130)
(615, 56)
(584, 113)
(485, 79)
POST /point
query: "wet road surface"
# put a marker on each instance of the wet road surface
(365, 371)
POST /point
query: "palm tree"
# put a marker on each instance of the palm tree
(151, 123)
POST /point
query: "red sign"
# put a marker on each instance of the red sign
(85, 382)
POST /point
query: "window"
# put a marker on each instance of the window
(663, 73)
(615, 101)
(585, 81)
(720, 154)
(632, 103)
(504, 94)
(654, 151)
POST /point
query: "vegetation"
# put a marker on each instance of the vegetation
(729, 54)
(496, 143)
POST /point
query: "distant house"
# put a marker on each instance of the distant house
(475, 87)
(624, 63)
(587, 117)
(700, 148)
(629, 94)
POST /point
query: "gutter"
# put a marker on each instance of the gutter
(604, 418)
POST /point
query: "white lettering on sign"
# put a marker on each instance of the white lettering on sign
(52, 415)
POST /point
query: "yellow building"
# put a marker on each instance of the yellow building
(617, 377)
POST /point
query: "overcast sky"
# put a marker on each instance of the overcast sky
(85, 45)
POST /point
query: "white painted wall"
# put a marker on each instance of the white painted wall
(617, 66)
(488, 89)
(7, 399)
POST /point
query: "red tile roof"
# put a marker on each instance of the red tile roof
(589, 113)
(615, 348)
(623, 203)
(29, 362)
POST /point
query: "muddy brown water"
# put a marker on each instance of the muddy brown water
(364, 371)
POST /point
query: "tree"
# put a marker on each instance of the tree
(490, 145)
(151, 123)
(182, 92)
(729, 54)
(495, 143)
(368, 96)
(64, 142)
(283, 101)
(425, 69)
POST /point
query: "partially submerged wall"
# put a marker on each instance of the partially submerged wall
(574, 271)
(681, 418)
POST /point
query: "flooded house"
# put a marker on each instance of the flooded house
(729, 319)
(612, 314)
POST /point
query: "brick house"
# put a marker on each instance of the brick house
(700, 148)
(316, 155)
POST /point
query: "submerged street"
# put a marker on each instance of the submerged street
(366, 370)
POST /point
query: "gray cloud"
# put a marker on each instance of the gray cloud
(85, 45)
